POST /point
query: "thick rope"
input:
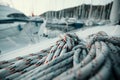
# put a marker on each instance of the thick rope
(70, 58)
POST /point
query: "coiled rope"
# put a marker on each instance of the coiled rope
(70, 58)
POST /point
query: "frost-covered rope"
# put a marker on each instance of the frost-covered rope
(70, 58)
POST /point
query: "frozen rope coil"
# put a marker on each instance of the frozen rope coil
(70, 58)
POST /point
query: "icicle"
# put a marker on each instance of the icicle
(90, 11)
(103, 14)
(114, 16)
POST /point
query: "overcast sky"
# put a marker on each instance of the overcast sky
(40, 6)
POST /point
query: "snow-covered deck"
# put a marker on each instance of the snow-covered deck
(82, 33)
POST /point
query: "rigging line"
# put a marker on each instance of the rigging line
(31, 31)
(9, 38)
(27, 33)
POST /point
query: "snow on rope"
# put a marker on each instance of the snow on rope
(70, 58)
